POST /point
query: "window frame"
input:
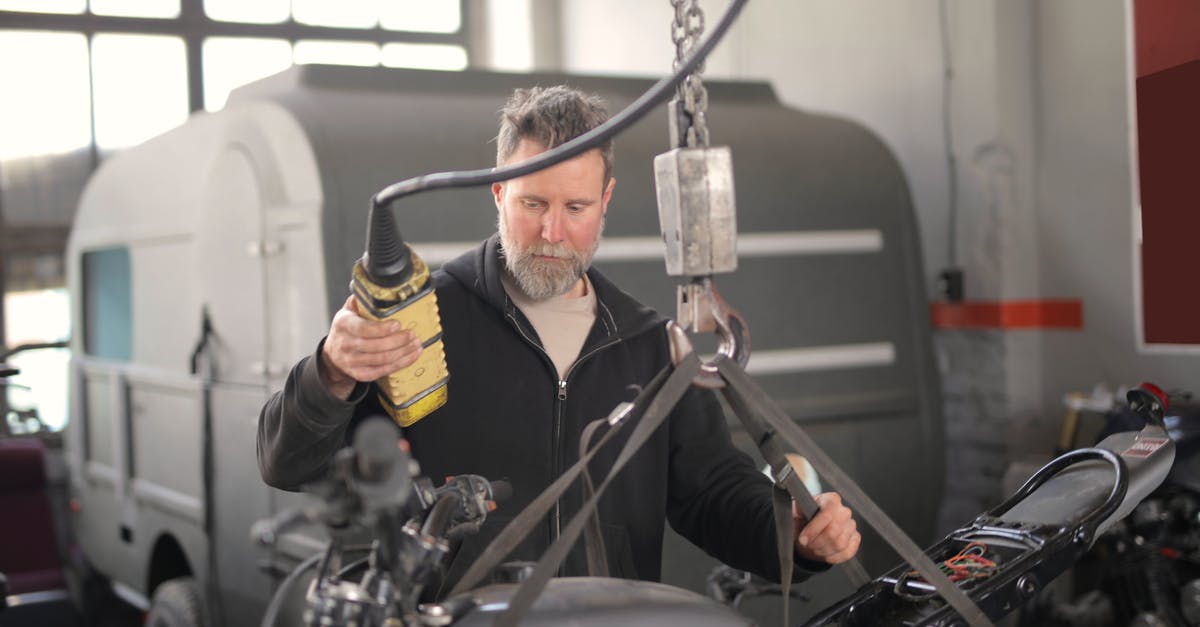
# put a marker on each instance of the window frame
(194, 26)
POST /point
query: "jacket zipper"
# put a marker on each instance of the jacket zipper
(556, 467)
(558, 414)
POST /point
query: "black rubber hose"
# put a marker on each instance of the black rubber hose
(438, 521)
(272, 613)
(657, 94)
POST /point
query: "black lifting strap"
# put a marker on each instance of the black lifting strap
(593, 538)
(532, 514)
(783, 474)
(799, 441)
(781, 503)
(666, 399)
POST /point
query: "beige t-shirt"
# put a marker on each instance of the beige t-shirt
(561, 322)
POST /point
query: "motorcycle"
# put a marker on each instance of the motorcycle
(1145, 571)
(1077, 504)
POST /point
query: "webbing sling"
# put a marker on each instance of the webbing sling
(798, 440)
(787, 484)
(532, 514)
(782, 473)
(593, 537)
(756, 400)
(672, 390)
(781, 503)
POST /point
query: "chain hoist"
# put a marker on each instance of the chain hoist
(689, 123)
(696, 209)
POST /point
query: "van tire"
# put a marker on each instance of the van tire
(177, 603)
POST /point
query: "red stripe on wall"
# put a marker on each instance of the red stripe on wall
(1011, 314)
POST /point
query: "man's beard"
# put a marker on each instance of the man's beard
(542, 279)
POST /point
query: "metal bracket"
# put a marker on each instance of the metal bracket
(780, 475)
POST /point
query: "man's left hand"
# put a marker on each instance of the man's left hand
(831, 536)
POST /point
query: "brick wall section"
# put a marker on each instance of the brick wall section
(991, 418)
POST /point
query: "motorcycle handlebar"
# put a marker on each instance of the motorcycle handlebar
(461, 501)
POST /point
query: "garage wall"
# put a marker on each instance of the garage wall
(879, 64)
(1088, 192)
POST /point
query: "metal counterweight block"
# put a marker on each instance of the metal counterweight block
(696, 210)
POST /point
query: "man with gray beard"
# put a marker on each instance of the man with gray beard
(540, 279)
(539, 344)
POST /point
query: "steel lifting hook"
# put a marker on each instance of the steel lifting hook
(702, 310)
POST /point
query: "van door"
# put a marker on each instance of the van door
(263, 261)
(99, 422)
(230, 256)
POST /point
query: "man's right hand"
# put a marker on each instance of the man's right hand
(360, 349)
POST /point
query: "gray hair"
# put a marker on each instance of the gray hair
(551, 116)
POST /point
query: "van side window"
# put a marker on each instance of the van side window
(107, 304)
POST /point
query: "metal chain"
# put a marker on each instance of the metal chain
(686, 29)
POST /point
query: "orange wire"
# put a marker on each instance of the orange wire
(976, 566)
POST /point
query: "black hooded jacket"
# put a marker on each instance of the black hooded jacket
(509, 416)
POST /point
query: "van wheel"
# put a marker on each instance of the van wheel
(177, 603)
